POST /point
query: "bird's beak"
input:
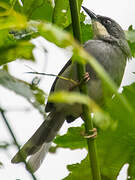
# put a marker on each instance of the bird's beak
(90, 13)
(98, 28)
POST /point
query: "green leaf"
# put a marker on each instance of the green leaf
(11, 48)
(23, 89)
(130, 35)
(6, 39)
(132, 48)
(6, 1)
(70, 98)
(73, 139)
(116, 146)
(101, 118)
(86, 30)
(129, 92)
(17, 7)
(29, 6)
(11, 19)
(17, 50)
(54, 34)
(131, 169)
(36, 9)
(61, 15)
(79, 171)
(43, 12)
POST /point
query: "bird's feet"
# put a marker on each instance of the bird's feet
(85, 79)
(94, 135)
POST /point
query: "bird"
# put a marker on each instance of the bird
(110, 48)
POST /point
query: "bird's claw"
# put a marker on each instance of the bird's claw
(86, 77)
(94, 135)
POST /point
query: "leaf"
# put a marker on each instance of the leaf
(18, 7)
(17, 50)
(130, 35)
(79, 171)
(11, 19)
(132, 48)
(73, 139)
(61, 15)
(43, 12)
(131, 169)
(115, 146)
(52, 33)
(29, 6)
(120, 141)
(11, 48)
(24, 89)
(6, 39)
(6, 1)
(70, 98)
(73, 97)
(129, 92)
(101, 118)
(86, 30)
(36, 9)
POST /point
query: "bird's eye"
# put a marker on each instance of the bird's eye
(107, 21)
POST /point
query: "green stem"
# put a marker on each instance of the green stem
(83, 89)
(17, 144)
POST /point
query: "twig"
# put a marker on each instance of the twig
(53, 75)
(16, 143)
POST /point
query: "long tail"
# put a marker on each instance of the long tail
(38, 145)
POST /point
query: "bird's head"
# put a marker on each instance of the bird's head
(107, 29)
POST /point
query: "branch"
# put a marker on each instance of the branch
(53, 75)
(83, 89)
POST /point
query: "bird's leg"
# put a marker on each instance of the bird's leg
(85, 79)
(92, 132)
(94, 135)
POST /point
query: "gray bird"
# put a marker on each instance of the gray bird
(111, 50)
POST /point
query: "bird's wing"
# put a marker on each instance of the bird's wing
(49, 105)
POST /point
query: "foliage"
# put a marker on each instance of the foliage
(130, 34)
(75, 170)
(115, 123)
(34, 95)
(61, 15)
(115, 145)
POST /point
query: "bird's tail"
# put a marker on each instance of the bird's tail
(38, 145)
